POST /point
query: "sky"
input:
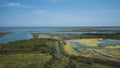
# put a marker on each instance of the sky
(59, 13)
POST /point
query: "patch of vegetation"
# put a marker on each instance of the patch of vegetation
(41, 45)
(24, 60)
(89, 42)
(70, 50)
(4, 33)
(35, 35)
(93, 55)
(101, 35)
(42, 53)
(33, 53)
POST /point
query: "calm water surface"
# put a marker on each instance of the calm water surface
(20, 33)
(15, 36)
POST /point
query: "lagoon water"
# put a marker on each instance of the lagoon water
(106, 28)
(20, 33)
(53, 29)
(15, 36)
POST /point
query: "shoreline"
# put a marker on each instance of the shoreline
(4, 33)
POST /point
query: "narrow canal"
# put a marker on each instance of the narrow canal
(58, 49)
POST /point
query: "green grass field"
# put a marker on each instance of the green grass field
(24, 60)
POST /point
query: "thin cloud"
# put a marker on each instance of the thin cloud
(54, 1)
(101, 11)
(39, 12)
(13, 4)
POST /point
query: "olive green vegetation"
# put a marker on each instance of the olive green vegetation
(93, 56)
(33, 53)
(101, 35)
(41, 45)
(35, 35)
(42, 53)
(112, 35)
(24, 60)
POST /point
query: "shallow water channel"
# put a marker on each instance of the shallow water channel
(58, 49)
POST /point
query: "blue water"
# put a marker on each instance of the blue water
(110, 42)
(15, 36)
(70, 32)
(80, 45)
(20, 33)
(53, 29)
(58, 49)
(106, 28)
(28, 29)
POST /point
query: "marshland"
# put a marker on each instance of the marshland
(57, 48)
